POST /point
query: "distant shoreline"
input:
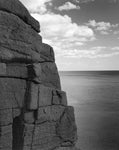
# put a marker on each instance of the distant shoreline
(89, 72)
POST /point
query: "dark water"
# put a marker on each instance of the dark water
(95, 96)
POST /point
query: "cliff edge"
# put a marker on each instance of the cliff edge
(33, 109)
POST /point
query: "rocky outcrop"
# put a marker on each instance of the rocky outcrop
(33, 109)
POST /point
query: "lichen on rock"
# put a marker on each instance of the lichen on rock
(33, 109)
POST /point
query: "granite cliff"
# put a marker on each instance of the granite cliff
(34, 114)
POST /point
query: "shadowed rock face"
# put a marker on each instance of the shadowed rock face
(17, 8)
(33, 109)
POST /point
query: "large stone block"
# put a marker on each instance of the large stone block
(45, 96)
(66, 127)
(51, 96)
(47, 74)
(47, 52)
(16, 70)
(45, 133)
(6, 137)
(49, 113)
(12, 93)
(17, 8)
(50, 144)
(6, 117)
(50, 76)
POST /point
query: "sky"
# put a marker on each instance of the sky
(83, 33)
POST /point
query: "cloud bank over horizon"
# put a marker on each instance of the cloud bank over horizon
(71, 39)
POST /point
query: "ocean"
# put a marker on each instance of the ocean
(95, 97)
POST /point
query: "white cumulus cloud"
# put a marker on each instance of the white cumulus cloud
(60, 32)
(68, 6)
(83, 1)
(103, 27)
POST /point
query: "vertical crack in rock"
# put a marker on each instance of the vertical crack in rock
(17, 132)
(34, 113)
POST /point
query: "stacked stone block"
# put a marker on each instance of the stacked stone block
(33, 109)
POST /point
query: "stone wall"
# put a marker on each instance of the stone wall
(33, 109)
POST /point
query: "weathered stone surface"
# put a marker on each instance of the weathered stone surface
(7, 148)
(16, 112)
(45, 136)
(6, 117)
(50, 144)
(50, 76)
(67, 148)
(33, 110)
(28, 134)
(17, 8)
(45, 95)
(49, 113)
(32, 96)
(12, 93)
(26, 148)
(6, 137)
(47, 52)
(2, 69)
(59, 97)
(29, 117)
(14, 70)
(47, 74)
(51, 96)
(66, 127)
(67, 144)
(20, 43)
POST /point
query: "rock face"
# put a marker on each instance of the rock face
(33, 109)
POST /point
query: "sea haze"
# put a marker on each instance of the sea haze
(95, 97)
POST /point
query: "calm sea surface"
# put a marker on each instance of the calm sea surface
(95, 97)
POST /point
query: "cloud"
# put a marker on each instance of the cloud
(61, 33)
(68, 6)
(92, 53)
(116, 32)
(39, 6)
(58, 30)
(116, 48)
(103, 27)
(83, 1)
(113, 1)
(100, 26)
